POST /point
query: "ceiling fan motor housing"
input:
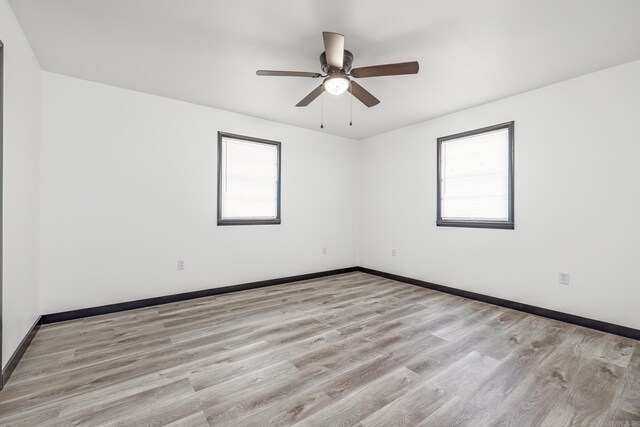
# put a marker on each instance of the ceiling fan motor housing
(346, 65)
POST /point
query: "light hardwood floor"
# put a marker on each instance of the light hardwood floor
(345, 350)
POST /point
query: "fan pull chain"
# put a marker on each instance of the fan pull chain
(350, 106)
(322, 111)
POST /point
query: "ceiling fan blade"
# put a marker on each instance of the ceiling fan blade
(313, 95)
(363, 95)
(334, 48)
(287, 73)
(386, 70)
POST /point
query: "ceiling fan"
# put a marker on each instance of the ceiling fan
(336, 65)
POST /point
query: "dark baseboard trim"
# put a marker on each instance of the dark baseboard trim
(148, 302)
(539, 311)
(17, 355)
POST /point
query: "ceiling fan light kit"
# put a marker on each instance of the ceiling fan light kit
(336, 63)
(336, 84)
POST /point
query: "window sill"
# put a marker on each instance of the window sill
(248, 221)
(473, 224)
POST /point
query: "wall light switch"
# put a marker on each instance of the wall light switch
(324, 251)
(393, 252)
(180, 264)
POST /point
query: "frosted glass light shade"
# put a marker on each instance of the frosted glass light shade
(336, 85)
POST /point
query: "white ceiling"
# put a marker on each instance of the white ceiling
(207, 51)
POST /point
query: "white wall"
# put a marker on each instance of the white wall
(21, 183)
(129, 187)
(577, 204)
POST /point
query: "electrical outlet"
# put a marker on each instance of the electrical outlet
(393, 252)
(563, 278)
(324, 251)
(180, 264)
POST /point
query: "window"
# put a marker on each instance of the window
(248, 180)
(475, 178)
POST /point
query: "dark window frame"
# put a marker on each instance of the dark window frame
(504, 225)
(240, 221)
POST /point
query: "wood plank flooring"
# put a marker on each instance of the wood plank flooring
(352, 349)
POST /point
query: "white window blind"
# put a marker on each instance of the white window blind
(248, 179)
(474, 177)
